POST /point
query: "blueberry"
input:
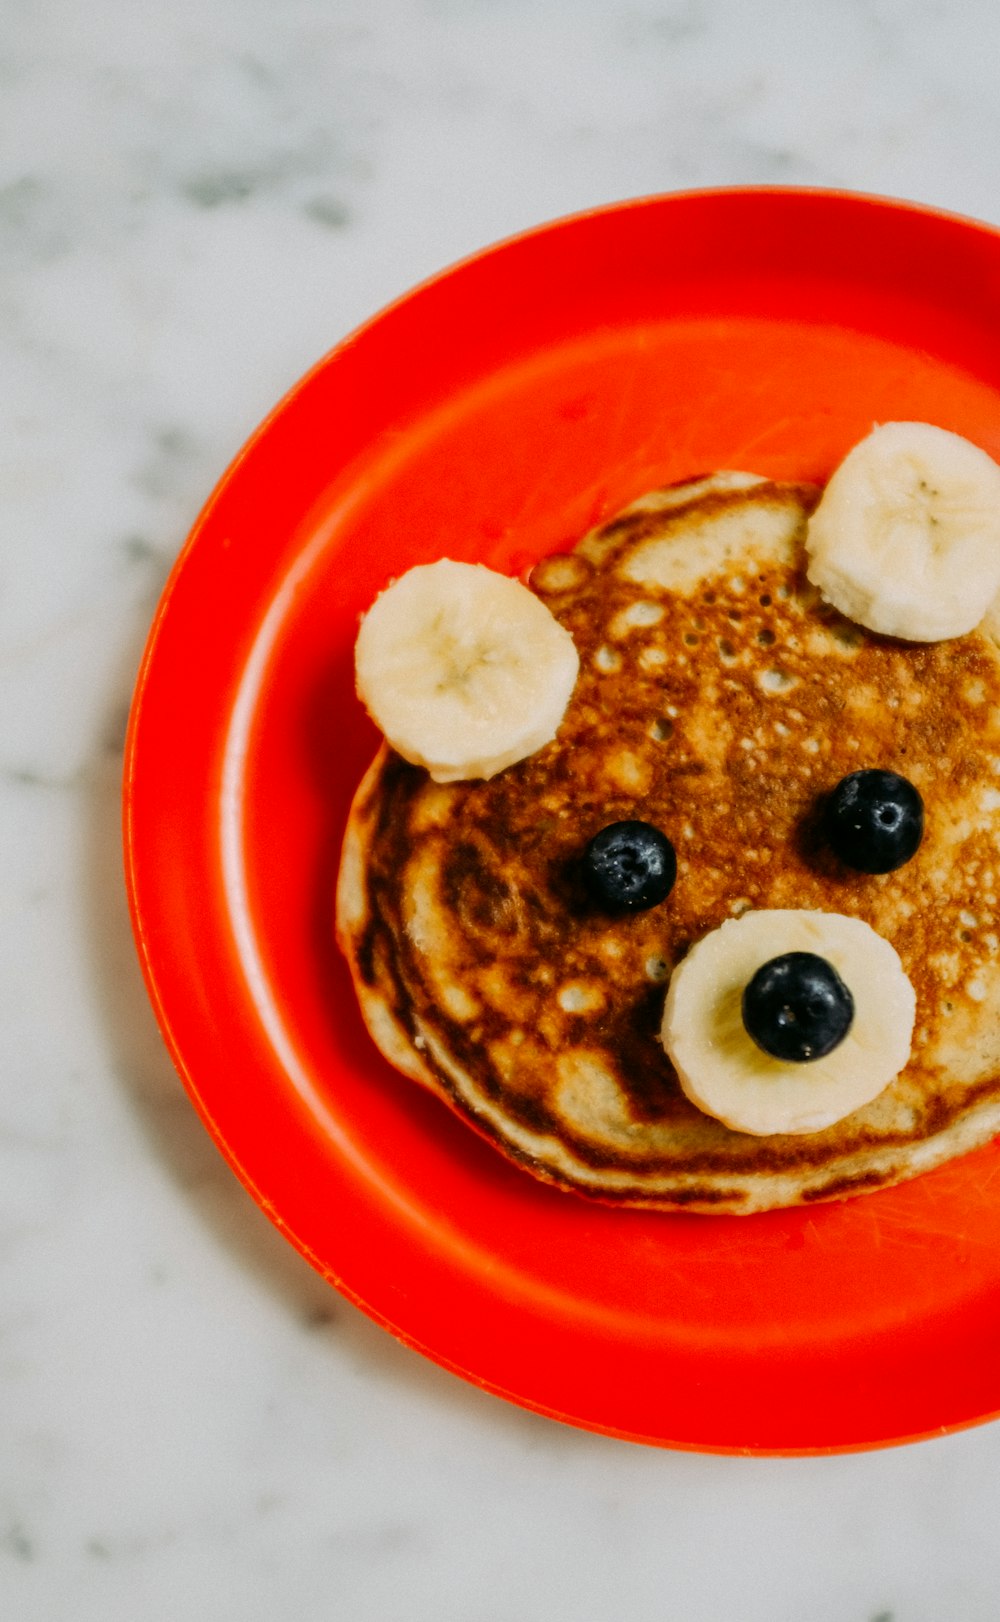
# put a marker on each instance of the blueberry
(797, 1007)
(874, 821)
(629, 866)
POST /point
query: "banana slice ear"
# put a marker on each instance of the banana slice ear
(906, 537)
(465, 670)
(723, 1071)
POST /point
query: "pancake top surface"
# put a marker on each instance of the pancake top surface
(718, 699)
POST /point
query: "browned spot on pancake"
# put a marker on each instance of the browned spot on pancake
(855, 1183)
(476, 893)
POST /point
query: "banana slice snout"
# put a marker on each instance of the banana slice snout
(464, 670)
(906, 537)
(723, 1071)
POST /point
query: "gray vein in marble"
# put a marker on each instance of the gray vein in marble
(16, 1543)
(165, 471)
(670, 25)
(374, 1540)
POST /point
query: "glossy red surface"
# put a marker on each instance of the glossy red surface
(495, 414)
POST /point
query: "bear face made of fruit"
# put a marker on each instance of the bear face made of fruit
(611, 802)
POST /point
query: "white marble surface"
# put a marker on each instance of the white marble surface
(197, 200)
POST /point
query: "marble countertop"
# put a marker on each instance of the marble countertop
(195, 203)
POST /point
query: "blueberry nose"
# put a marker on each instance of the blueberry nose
(797, 1007)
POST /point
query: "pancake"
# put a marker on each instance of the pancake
(720, 699)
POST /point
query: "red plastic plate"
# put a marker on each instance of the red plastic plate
(495, 414)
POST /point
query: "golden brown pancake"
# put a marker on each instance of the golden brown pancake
(720, 700)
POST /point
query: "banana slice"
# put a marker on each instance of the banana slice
(466, 671)
(725, 1073)
(906, 538)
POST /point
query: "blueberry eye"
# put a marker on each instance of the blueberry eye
(874, 821)
(629, 866)
(797, 1007)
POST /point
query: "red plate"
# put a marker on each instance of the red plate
(496, 413)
